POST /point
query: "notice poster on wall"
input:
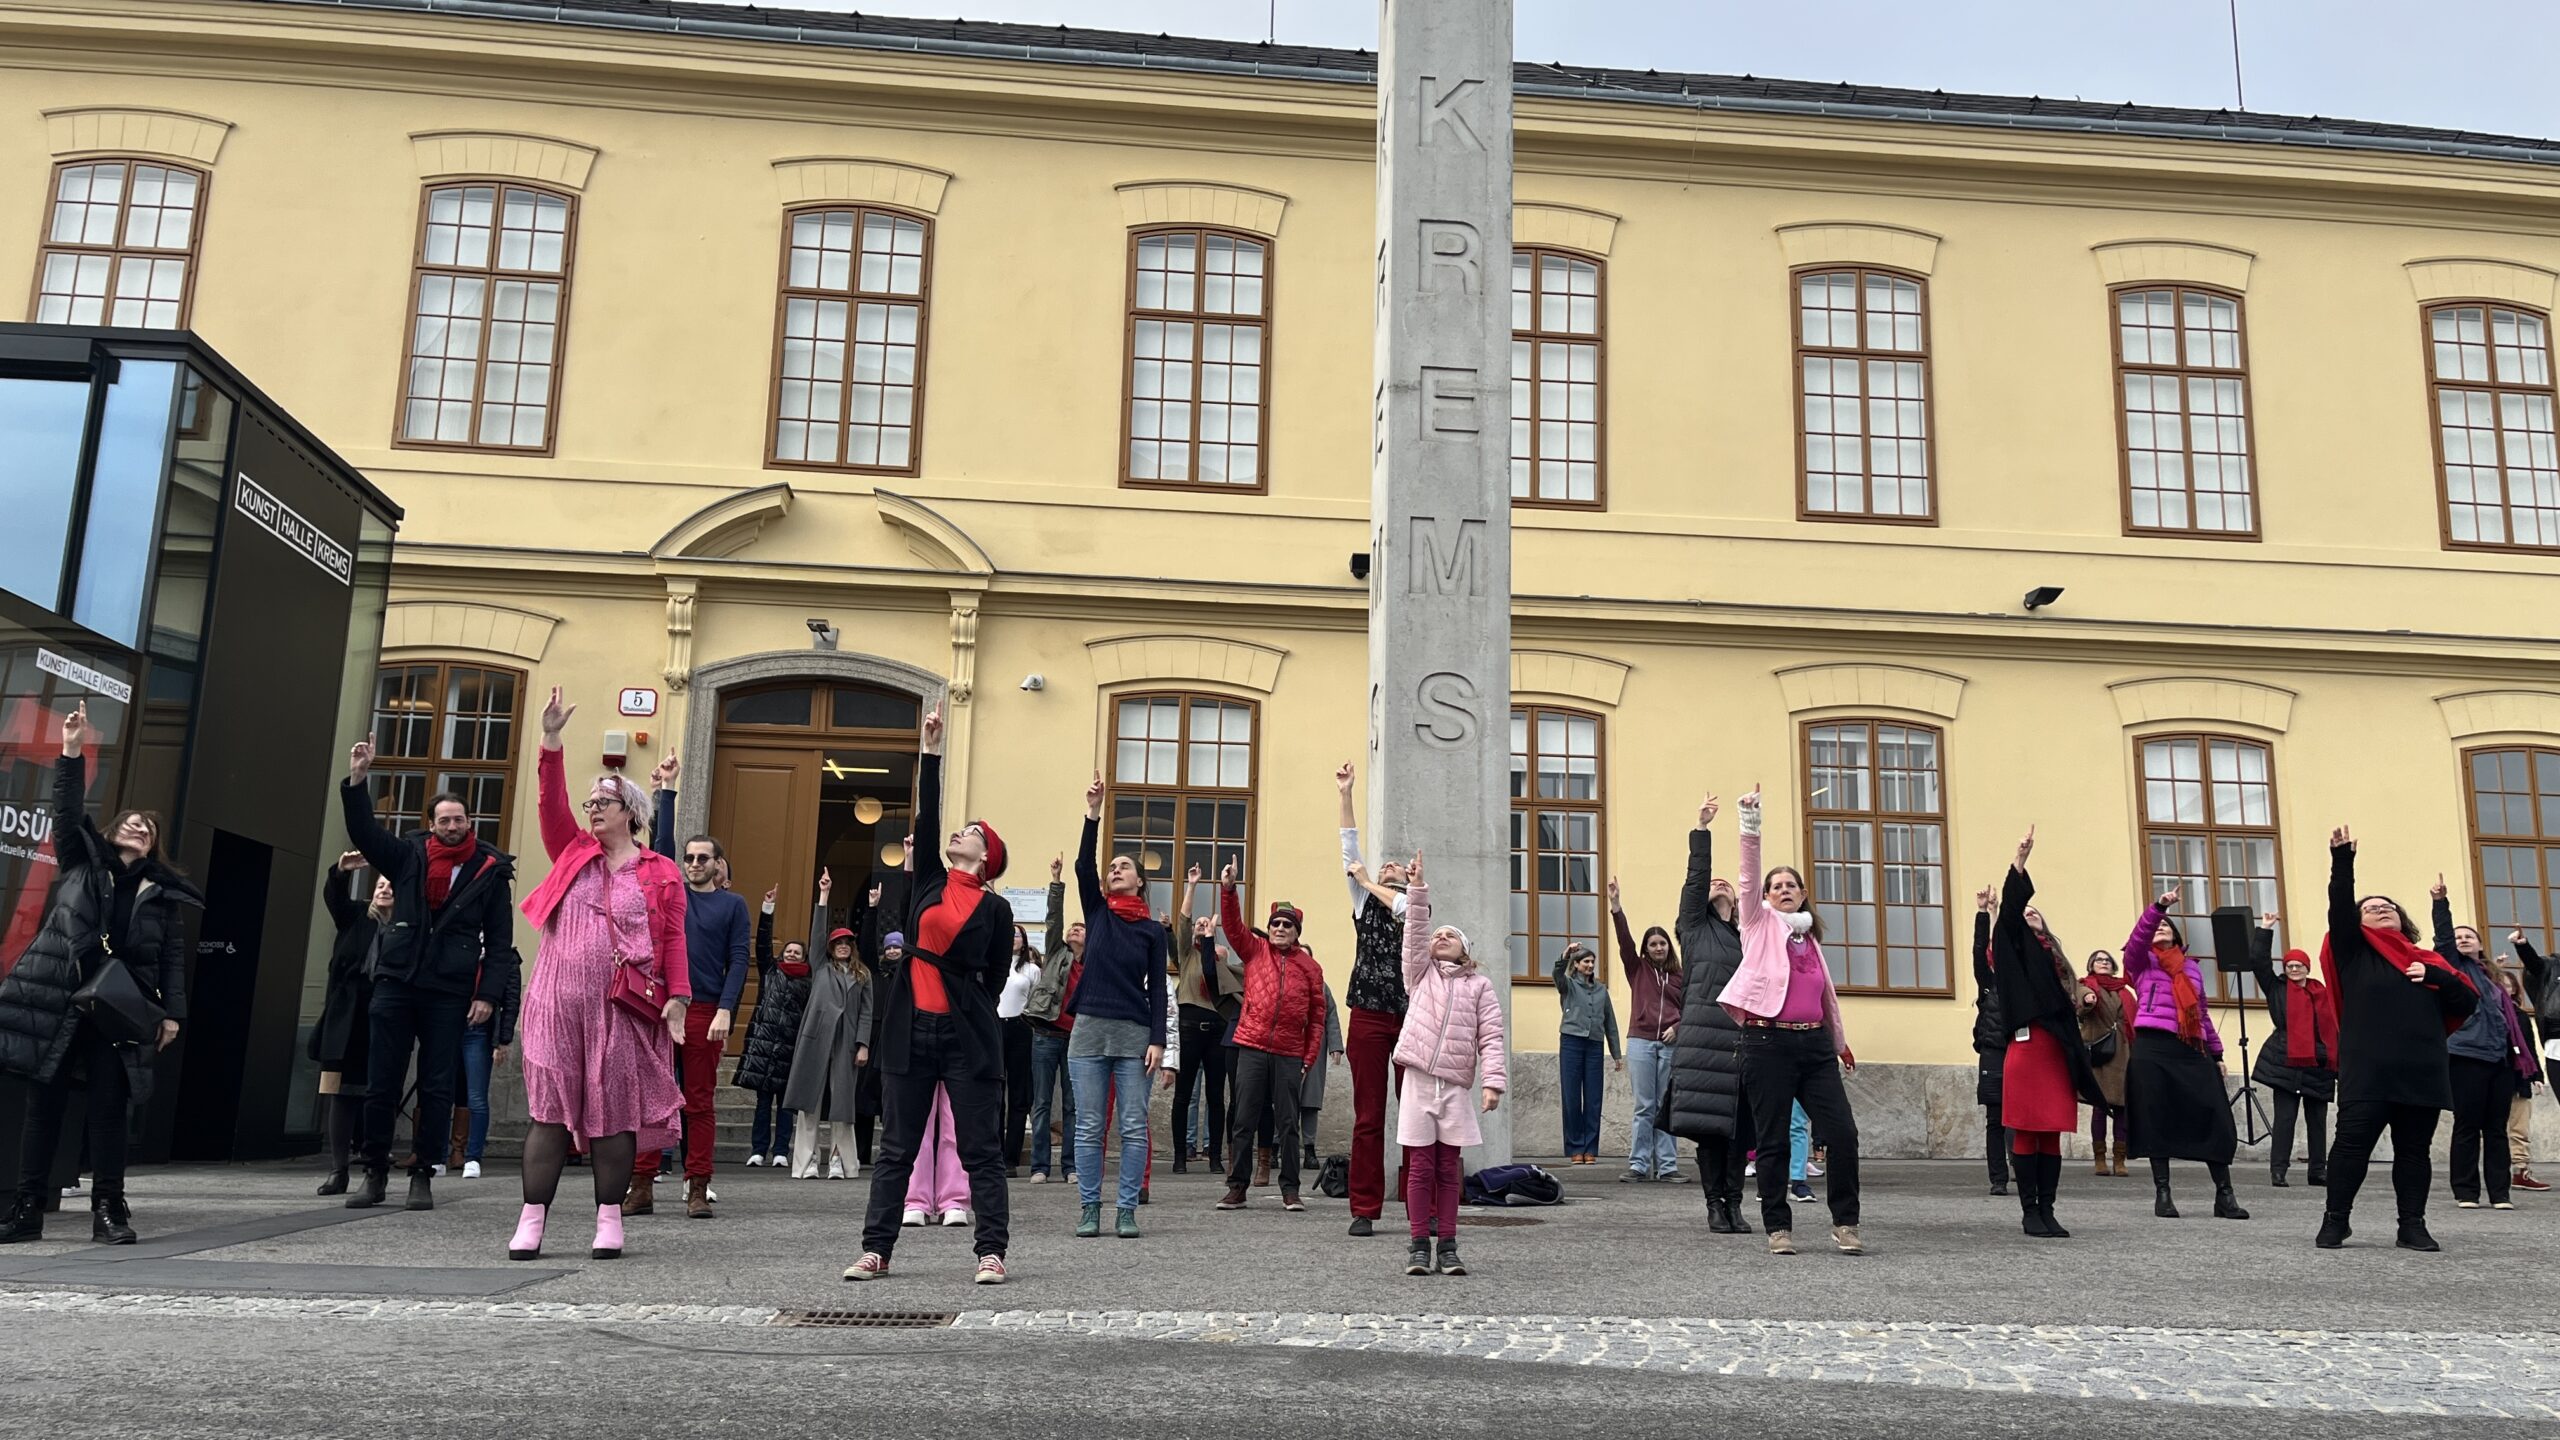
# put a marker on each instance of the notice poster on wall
(1030, 904)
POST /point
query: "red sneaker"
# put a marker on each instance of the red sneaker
(871, 1266)
(2524, 1181)
(990, 1270)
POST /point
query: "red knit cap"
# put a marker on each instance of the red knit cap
(995, 849)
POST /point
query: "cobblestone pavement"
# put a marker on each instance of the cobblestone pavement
(2453, 1375)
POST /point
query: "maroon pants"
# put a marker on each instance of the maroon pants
(698, 1067)
(1371, 1045)
(1431, 1190)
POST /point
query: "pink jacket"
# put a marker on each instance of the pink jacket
(1758, 989)
(1452, 1023)
(572, 846)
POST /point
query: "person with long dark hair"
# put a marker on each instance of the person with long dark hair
(1201, 1080)
(1794, 1046)
(1653, 1020)
(2299, 1062)
(822, 1089)
(115, 902)
(1706, 1103)
(2397, 1004)
(1022, 972)
(2175, 1102)
(1990, 1049)
(2046, 1072)
(773, 1034)
(2540, 987)
(338, 1041)
(2106, 1010)
(2481, 1061)
(1119, 1042)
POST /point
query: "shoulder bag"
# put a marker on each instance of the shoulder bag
(115, 1002)
(638, 985)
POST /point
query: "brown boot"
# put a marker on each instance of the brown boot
(2098, 1163)
(697, 1200)
(2119, 1158)
(643, 1197)
(1261, 1166)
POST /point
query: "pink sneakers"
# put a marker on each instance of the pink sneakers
(527, 1244)
(871, 1266)
(608, 1233)
(990, 1270)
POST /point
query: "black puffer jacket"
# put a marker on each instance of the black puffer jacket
(2273, 1070)
(765, 1064)
(342, 1040)
(466, 948)
(1706, 1054)
(1990, 1041)
(37, 1023)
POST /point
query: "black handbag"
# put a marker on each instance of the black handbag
(2102, 1051)
(115, 1002)
(1334, 1180)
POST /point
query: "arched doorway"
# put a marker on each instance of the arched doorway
(812, 774)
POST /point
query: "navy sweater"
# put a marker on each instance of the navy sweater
(1124, 960)
(716, 926)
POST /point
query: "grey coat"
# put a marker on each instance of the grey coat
(837, 1020)
(1311, 1085)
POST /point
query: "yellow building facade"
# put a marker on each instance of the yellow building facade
(1000, 360)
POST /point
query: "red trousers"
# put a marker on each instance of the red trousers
(698, 1069)
(1371, 1046)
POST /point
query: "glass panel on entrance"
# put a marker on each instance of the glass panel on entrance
(860, 709)
(767, 707)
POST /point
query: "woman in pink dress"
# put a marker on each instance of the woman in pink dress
(592, 1067)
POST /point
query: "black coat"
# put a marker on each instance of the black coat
(2035, 986)
(342, 1040)
(2542, 987)
(1706, 1051)
(468, 947)
(2273, 1070)
(1990, 1041)
(2391, 1031)
(973, 966)
(37, 1022)
(774, 1031)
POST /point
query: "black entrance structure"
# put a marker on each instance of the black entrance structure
(210, 578)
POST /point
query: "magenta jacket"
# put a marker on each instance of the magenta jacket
(2156, 999)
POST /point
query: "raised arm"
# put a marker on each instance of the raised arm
(764, 933)
(381, 848)
(1628, 960)
(926, 853)
(1342, 782)
(1240, 936)
(2344, 923)
(1056, 938)
(2137, 946)
(1982, 981)
(2440, 913)
(1697, 889)
(344, 909)
(1417, 931)
(560, 825)
(662, 819)
(1089, 879)
(2262, 968)
(2537, 970)
(1746, 886)
(818, 917)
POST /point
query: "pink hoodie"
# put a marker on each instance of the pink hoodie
(1452, 1023)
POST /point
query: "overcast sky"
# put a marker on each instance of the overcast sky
(2489, 65)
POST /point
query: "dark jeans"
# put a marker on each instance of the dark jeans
(2483, 1091)
(1202, 1081)
(1780, 1070)
(110, 1103)
(1017, 1089)
(2360, 1124)
(937, 1052)
(428, 1024)
(1048, 1082)
(1995, 1145)
(771, 1134)
(1266, 1093)
(1578, 1060)
(2290, 1103)
(479, 1043)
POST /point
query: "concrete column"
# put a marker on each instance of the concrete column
(1440, 473)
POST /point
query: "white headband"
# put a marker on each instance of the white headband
(1462, 937)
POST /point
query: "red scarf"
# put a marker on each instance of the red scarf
(796, 969)
(2115, 985)
(1132, 908)
(442, 861)
(2310, 1020)
(2398, 951)
(2182, 984)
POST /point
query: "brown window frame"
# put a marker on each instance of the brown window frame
(419, 270)
(2496, 388)
(1928, 387)
(431, 768)
(1598, 340)
(2196, 921)
(116, 251)
(1543, 948)
(1197, 317)
(1183, 793)
(1836, 948)
(2543, 839)
(2182, 372)
(853, 297)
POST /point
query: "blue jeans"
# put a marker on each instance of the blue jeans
(1048, 1079)
(1101, 1082)
(477, 1042)
(1578, 1058)
(1799, 1142)
(772, 1133)
(1656, 1151)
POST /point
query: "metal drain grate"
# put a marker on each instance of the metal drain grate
(1498, 1222)
(867, 1319)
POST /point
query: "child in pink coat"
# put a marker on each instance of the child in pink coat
(1452, 1035)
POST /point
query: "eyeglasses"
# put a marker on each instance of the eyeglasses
(591, 806)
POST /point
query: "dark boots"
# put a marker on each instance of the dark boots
(2161, 1204)
(110, 1219)
(2414, 1236)
(376, 1185)
(25, 1220)
(2333, 1230)
(2038, 1177)
(2226, 1205)
(422, 1190)
(1720, 1216)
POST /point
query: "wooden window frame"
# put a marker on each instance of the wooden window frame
(432, 767)
(2225, 988)
(1928, 385)
(419, 270)
(1531, 803)
(2544, 840)
(1183, 792)
(2183, 372)
(853, 297)
(1956, 953)
(1196, 317)
(2437, 385)
(117, 251)
(1598, 340)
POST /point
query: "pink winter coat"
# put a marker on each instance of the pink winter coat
(1452, 1023)
(1759, 986)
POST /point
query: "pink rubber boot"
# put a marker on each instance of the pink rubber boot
(528, 1242)
(608, 1233)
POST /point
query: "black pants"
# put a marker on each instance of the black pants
(2360, 1124)
(2288, 1104)
(1780, 1070)
(110, 1106)
(1720, 1162)
(2482, 1092)
(1266, 1095)
(427, 1023)
(1203, 1074)
(1995, 1144)
(1017, 1089)
(938, 1052)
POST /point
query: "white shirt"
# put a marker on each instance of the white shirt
(1017, 990)
(1350, 857)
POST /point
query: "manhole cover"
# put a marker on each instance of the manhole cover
(867, 1319)
(1498, 1221)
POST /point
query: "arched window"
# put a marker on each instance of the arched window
(849, 373)
(120, 244)
(488, 316)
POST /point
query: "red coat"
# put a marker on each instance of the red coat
(1283, 993)
(573, 847)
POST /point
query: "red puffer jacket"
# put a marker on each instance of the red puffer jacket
(1283, 994)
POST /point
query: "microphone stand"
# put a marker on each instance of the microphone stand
(2253, 1121)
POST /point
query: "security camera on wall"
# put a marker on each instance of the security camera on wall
(1035, 681)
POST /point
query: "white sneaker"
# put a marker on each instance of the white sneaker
(755, 1162)
(1813, 1169)
(1750, 1168)
(808, 1171)
(835, 1168)
(439, 1172)
(954, 1219)
(470, 1169)
(710, 1196)
(912, 1217)
(1039, 1177)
